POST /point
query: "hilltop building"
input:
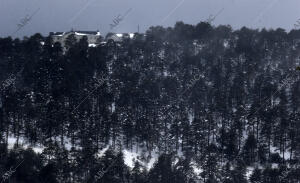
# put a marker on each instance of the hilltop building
(93, 37)
(119, 37)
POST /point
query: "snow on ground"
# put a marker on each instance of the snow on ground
(196, 169)
(92, 45)
(101, 153)
(150, 164)
(249, 172)
(13, 140)
(274, 165)
(276, 150)
(129, 156)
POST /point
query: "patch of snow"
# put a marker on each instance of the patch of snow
(190, 117)
(234, 109)
(274, 165)
(151, 163)
(276, 150)
(113, 107)
(12, 141)
(196, 169)
(101, 153)
(130, 158)
(67, 143)
(249, 172)
(226, 44)
(92, 45)
(38, 149)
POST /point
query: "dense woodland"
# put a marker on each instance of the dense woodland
(218, 99)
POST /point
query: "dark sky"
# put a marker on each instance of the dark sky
(62, 15)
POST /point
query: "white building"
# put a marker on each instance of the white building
(92, 37)
(119, 37)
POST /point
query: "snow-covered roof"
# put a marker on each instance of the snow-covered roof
(118, 37)
(84, 33)
(131, 35)
(79, 33)
(57, 33)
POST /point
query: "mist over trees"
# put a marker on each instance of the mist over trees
(210, 97)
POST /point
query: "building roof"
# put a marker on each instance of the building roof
(80, 33)
(118, 37)
(56, 33)
(88, 32)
